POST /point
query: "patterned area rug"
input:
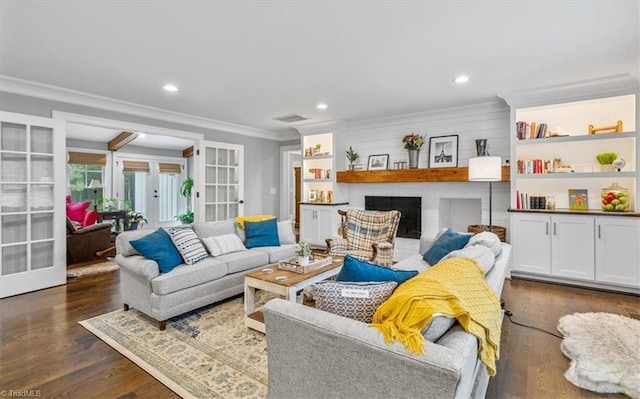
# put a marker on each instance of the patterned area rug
(207, 353)
(91, 270)
(604, 349)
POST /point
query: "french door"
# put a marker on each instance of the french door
(151, 187)
(32, 210)
(223, 166)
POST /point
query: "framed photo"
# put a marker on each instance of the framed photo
(378, 162)
(443, 151)
(578, 199)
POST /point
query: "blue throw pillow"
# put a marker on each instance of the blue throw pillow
(261, 234)
(449, 241)
(355, 270)
(158, 246)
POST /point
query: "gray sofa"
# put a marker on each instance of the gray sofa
(315, 354)
(188, 287)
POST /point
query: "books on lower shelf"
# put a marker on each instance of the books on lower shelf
(526, 201)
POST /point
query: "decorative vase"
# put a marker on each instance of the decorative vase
(303, 260)
(414, 156)
(351, 167)
(607, 168)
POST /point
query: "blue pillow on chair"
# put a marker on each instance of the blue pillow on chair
(355, 270)
(158, 246)
(448, 241)
(261, 234)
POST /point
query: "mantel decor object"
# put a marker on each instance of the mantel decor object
(443, 151)
(413, 143)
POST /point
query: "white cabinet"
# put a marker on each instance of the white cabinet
(318, 222)
(577, 248)
(618, 250)
(553, 245)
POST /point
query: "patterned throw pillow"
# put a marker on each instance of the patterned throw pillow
(224, 244)
(188, 244)
(357, 301)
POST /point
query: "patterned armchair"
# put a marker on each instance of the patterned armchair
(367, 235)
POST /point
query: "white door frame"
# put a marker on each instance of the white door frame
(286, 178)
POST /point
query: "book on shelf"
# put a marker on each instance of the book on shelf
(526, 201)
(525, 130)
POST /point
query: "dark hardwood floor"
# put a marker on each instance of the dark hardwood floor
(42, 346)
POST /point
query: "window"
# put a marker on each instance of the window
(84, 167)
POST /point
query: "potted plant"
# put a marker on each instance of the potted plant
(605, 160)
(185, 190)
(413, 143)
(303, 252)
(135, 220)
(352, 156)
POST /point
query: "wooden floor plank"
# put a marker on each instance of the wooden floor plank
(42, 346)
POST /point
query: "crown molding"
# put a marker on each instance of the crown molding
(573, 91)
(54, 93)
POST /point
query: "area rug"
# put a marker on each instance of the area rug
(207, 353)
(92, 270)
(604, 349)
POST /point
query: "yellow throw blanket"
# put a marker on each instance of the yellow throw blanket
(455, 288)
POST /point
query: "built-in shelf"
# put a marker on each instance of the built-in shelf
(608, 175)
(566, 211)
(584, 137)
(410, 175)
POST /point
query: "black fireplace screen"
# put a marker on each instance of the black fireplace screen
(409, 207)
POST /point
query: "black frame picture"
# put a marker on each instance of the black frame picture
(443, 151)
(378, 162)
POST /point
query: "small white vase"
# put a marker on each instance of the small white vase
(303, 260)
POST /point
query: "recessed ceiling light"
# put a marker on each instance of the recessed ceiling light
(142, 135)
(322, 106)
(170, 87)
(461, 79)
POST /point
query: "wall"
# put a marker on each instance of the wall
(261, 156)
(384, 136)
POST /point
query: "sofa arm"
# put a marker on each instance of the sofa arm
(337, 245)
(310, 350)
(382, 253)
(139, 265)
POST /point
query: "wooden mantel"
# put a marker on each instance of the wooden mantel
(411, 175)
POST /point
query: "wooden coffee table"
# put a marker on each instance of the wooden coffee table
(267, 281)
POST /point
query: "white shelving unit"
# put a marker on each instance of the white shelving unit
(322, 196)
(591, 247)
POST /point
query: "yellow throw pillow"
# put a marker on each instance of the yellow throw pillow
(252, 218)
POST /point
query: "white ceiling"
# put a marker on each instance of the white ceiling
(246, 62)
(103, 135)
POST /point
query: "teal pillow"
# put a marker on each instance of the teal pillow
(355, 270)
(448, 241)
(158, 246)
(261, 234)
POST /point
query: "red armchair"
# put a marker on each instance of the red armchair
(78, 213)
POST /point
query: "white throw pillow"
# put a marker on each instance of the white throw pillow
(285, 232)
(224, 244)
(487, 239)
(483, 256)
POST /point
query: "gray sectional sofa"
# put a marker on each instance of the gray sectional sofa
(188, 287)
(315, 354)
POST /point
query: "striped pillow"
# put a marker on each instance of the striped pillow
(188, 244)
(223, 244)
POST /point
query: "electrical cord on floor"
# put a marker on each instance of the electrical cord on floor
(508, 313)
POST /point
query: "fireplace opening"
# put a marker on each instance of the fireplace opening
(410, 209)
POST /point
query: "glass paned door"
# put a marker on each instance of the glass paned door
(223, 186)
(32, 184)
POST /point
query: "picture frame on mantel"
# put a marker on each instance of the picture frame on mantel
(443, 151)
(378, 162)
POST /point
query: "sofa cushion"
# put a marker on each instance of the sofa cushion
(357, 301)
(188, 244)
(76, 210)
(483, 256)
(252, 218)
(437, 327)
(208, 229)
(261, 234)
(449, 241)
(123, 241)
(185, 276)
(158, 246)
(355, 270)
(285, 232)
(487, 239)
(224, 244)
(277, 254)
(244, 260)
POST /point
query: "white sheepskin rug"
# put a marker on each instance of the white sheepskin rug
(604, 349)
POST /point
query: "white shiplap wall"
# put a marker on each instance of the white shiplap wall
(384, 136)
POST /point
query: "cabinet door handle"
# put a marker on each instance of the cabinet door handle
(555, 231)
(546, 228)
(599, 233)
